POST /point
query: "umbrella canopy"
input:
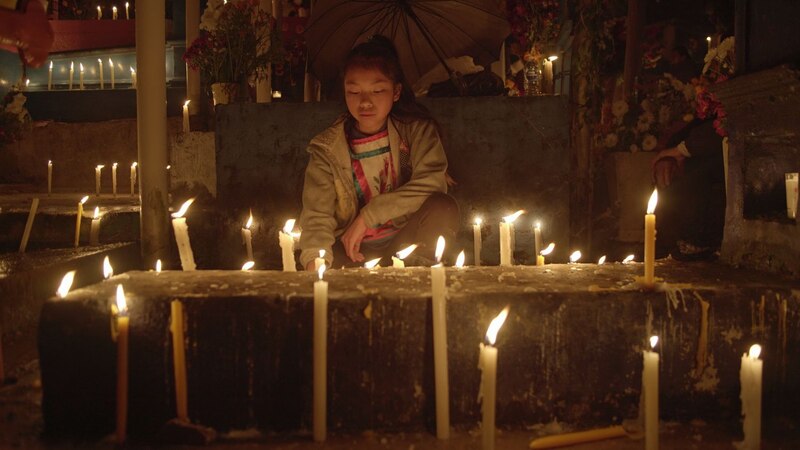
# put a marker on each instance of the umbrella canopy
(425, 32)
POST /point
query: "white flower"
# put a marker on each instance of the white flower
(649, 142)
(619, 108)
(611, 140)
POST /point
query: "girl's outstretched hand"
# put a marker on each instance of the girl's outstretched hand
(352, 237)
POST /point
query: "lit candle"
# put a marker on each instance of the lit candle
(537, 237)
(179, 360)
(182, 236)
(71, 73)
(50, 77)
(186, 116)
(49, 177)
(248, 266)
(247, 236)
(94, 231)
(133, 177)
(488, 367)
(286, 241)
(99, 12)
(28, 225)
(540, 257)
(98, 171)
(320, 356)
(506, 238)
(547, 75)
(158, 266)
(100, 68)
(123, 325)
(80, 75)
(439, 310)
(397, 261)
(750, 379)
(650, 388)
(113, 13)
(108, 270)
(791, 194)
(602, 260)
(650, 240)
(372, 263)
(78, 220)
(114, 179)
(628, 259)
(66, 284)
(127, 11)
(460, 260)
(477, 240)
(708, 43)
(320, 260)
(575, 257)
(112, 71)
(133, 78)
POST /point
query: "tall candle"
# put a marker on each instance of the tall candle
(708, 43)
(477, 240)
(506, 239)
(66, 284)
(547, 76)
(439, 310)
(320, 356)
(650, 240)
(50, 77)
(98, 172)
(319, 261)
(628, 259)
(114, 179)
(397, 261)
(247, 237)
(71, 73)
(750, 379)
(113, 13)
(133, 177)
(650, 388)
(186, 116)
(108, 270)
(80, 75)
(78, 220)
(100, 71)
(112, 71)
(49, 177)
(94, 231)
(99, 12)
(182, 237)
(123, 325)
(28, 226)
(179, 360)
(488, 367)
(543, 253)
(133, 78)
(127, 11)
(791, 194)
(286, 241)
(537, 237)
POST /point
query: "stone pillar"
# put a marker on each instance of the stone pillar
(151, 122)
(192, 76)
(264, 85)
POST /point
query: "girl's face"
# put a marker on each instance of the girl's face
(370, 95)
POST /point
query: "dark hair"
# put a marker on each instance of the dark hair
(379, 53)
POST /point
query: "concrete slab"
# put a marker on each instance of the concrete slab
(570, 349)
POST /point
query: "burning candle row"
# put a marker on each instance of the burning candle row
(100, 71)
(98, 172)
(114, 15)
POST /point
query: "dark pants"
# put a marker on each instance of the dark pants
(438, 216)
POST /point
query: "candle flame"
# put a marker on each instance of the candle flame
(96, 212)
(51, 65)
(755, 351)
(27, 82)
(99, 166)
(249, 221)
(84, 199)
(114, 8)
(72, 63)
(494, 327)
(134, 164)
(288, 226)
(403, 254)
(478, 221)
(186, 103)
(628, 259)
(708, 38)
(460, 259)
(602, 260)
(122, 304)
(439, 248)
(111, 64)
(99, 61)
(108, 271)
(372, 263)
(114, 165)
(575, 256)
(66, 284)
(513, 217)
(321, 270)
(653, 341)
(552, 58)
(321, 253)
(158, 266)
(184, 208)
(81, 66)
(651, 204)
(49, 162)
(169, 166)
(276, 94)
(133, 72)
(549, 249)
(537, 225)
(248, 265)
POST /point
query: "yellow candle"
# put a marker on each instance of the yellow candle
(507, 239)
(186, 116)
(78, 220)
(320, 357)
(28, 225)
(133, 78)
(127, 11)
(123, 325)
(247, 237)
(182, 237)
(580, 437)
(650, 240)
(50, 77)
(537, 237)
(650, 387)
(113, 13)
(543, 253)
(49, 177)
(488, 367)
(99, 13)
(477, 240)
(133, 177)
(179, 360)
(98, 172)
(286, 242)
(114, 179)
(602, 260)
(111, 69)
(94, 231)
(439, 312)
(750, 379)
(71, 73)
(372, 263)
(100, 68)
(80, 75)
(397, 261)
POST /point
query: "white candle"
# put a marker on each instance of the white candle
(78, 220)
(320, 260)
(708, 43)
(100, 68)
(186, 116)
(71, 73)
(113, 13)
(99, 12)
(547, 76)
(50, 77)
(123, 325)
(66, 284)
(650, 388)
(791, 194)
(439, 309)
(133, 177)
(133, 78)
(27, 233)
(286, 241)
(114, 179)
(247, 237)
(477, 240)
(94, 231)
(506, 239)
(750, 379)
(80, 75)
(537, 237)
(543, 253)
(127, 11)
(112, 71)
(108, 270)
(397, 261)
(320, 356)
(98, 171)
(488, 367)
(182, 237)
(49, 177)
(650, 240)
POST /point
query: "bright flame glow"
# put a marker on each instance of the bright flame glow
(478, 221)
(755, 351)
(183, 209)
(84, 199)
(460, 259)
(114, 9)
(653, 341)
(549, 249)
(66, 284)
(575, 256)
(99, 61)
(552, 58)
(288, 226)
(439, 248)
(372, 263)
(628, 259)
(494, 327)
(276, 94)
(249, 221)
(134, 164)
(321, 270)
(108, 271)
(537, 225)
(111, 64)
(602, 260)
(708, 38)
(96, 212)
(403, 254)
(122, 304)
(133, 71)
(51, 65)
(114, 165)
(321, 253)
(186, 103)
(49, 162)
(27, 82)
(99, 166)
(81, 66)
(72, 63)
(513, 217)
(248, 265)
(158, 266)
(651, 204)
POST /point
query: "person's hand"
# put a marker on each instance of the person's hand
(352, 237)
(664, 171)
(34, 34)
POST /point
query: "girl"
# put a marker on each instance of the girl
(375, 182)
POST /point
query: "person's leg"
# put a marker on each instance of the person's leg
(438, 216)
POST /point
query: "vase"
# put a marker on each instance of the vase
(224, 93)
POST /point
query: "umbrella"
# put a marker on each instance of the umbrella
(425, 32)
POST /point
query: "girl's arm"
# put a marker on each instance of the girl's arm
(317, 220)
